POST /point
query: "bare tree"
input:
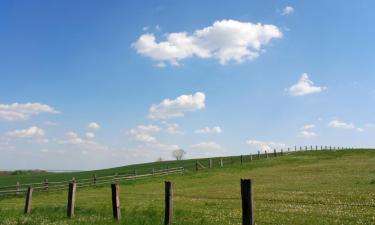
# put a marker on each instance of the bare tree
(178, 154)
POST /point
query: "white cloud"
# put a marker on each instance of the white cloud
(206, 145)
(226, 41)
(307, 134)
(72, 138)
(265, 145)
(209, 130)
(177, 107)
(340, 124)
(18, 111)
(304, 86)
(142, 133)
(287, 10)
(360, 130)
(90, 135)
(93, 125)
(32, 132)
(172, 128)
(308, 127)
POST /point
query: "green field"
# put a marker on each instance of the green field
(314, 187)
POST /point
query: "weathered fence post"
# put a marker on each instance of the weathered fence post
(274, 152)
(116, 201)
(258, 155)
(210, 163)
(168, 216)
(18, 187)
(221, 162)
(46, 184)
(29, 195)
(71, 199)
(247, 202)
(94, 179)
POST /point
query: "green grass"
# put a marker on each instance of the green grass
(301, 188)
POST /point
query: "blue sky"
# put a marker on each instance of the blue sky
(95, 84)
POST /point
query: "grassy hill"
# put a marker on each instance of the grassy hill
(317, 187)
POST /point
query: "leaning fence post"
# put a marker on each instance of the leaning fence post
(247, 202)
(46, 184)
(116, 201)
(71, 198)
(28, 200)
(168, 216)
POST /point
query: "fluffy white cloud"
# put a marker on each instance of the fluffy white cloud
(172, 128)
(304, 86)
(142, 133)
(93, 125)
(206, 145)
(265, 145)
(72, 138)
(307, 134)
(90, 135)
(178, 107)
(209, 130)
(225, 40)
(32, 132)
(287, 10)
(18, 111)
(340, 124)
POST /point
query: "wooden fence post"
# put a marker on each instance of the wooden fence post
(274, 152)
(28, 200)
(196, 165)
(46, 184)
(295, 148)
(221, 162)
(168, 216)
(94, 179)
(116, 201)
(247, 202)
(71, 199)
(18, 187)
(266, 154)
(258, 155)
(153, 171)
(251, 157)
(210, 163)
(282, 152)
(288, 149)
(300, 148)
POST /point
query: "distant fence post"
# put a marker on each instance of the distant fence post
(266, 154)
(196, 165)
(282, 151)
(28, 200)
(247, 202)
(251, 157)
(71, 198)
(258, 155)
(288, 149)
(94, 179)
(153, 171)
(116, 201)
(241, 159)
(46, 184)
(221, 162)
(274, 152)
(210, 163)
(300, 148)
(18, 187)
(168, 216)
